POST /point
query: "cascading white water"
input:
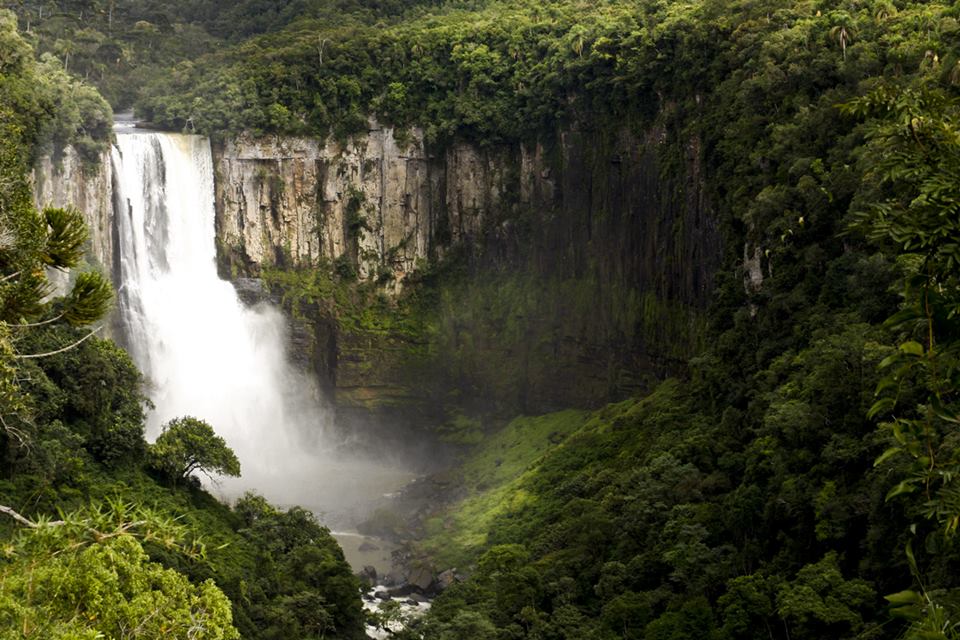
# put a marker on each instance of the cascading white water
(203, 353)
(207, 355)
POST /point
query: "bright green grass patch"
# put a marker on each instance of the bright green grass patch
(510, 479)
(513, 450)
(493, 476)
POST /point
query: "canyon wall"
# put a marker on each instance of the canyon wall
(66, 180)
(388, 206)
(584, 264)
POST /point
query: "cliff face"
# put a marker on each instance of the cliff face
(67, 181)
(296, 202)
(584, 264)
(386, 207)
(517, 278)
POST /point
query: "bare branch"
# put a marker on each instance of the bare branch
(26, 522)
(66, 348)
(16, 516)
(27, 325)
(17, 434)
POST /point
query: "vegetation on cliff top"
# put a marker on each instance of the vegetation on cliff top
(44, 108)
(121, 46)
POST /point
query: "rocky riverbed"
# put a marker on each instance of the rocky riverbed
(392, 612)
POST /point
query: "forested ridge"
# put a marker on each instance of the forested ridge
(796, 479)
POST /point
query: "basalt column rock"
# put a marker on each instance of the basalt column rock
(292, 202)
(587, 262)
(389, 205)
(67, 180)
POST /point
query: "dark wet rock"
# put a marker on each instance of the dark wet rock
(369, 574)
(411, 602)
(382, 595)
(419, 598)
(368, 546)
(421, 577)
(368, 597)
(394, 579)
(446, 579)
(251, 291)
(404, 590)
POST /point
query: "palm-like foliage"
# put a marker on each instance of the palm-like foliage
(66, 235)
(913, 181)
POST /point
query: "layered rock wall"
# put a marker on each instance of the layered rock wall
(587, 201)
(585, 263)
(298, 202)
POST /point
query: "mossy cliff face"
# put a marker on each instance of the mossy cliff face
(466, 282)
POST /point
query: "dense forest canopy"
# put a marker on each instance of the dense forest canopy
(796, 479)
(119, 46)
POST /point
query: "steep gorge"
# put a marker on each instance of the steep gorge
(563, 273)
(464, 283)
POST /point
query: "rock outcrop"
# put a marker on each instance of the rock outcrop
(67, 180)
(372, 201)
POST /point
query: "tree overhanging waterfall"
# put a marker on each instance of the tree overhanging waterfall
(202, 351)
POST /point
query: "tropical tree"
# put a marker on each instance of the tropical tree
(912, 191)
(914, 164)
(189, 444)
(842, 30)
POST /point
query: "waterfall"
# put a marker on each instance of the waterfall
(201, 350)
(205, 354)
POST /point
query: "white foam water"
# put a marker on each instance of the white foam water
(205, 354)
(202, 351)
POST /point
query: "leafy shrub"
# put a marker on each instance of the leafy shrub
(187, 445)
